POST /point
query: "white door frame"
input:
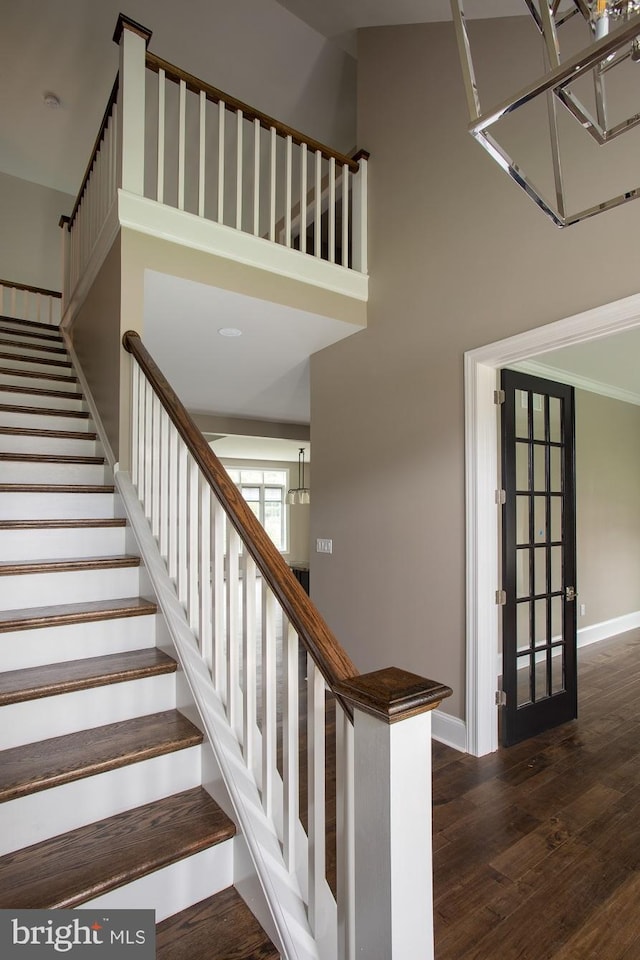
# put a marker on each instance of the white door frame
(482, 474)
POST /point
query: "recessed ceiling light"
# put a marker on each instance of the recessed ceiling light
(229, 332)
(51, 100)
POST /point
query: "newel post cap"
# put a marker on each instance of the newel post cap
(126, 23)
(392, 694)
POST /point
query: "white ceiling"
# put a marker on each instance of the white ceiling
(260, 448)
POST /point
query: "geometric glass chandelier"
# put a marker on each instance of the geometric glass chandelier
(590, 53)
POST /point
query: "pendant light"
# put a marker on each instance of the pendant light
(299, 494)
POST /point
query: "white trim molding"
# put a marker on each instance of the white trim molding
(482, 479)
(545, 370)
(608, 628)
(449, 730)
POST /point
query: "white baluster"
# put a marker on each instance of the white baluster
(206, 612)
(272, 195)
(12, 312)
(155, 471)
(201, 160)
(290, 746)
(256, 177)
(233, 603)
(332, 210)
(135, 417)
(318, 206)
(148, 441)
(345, 215)
(249, 657)
(316, 787)
(239, 171)
(182, 521)
(219, 639)
(193, 555)
(287, 210)
(161, 116)
(174, 493)
(164, 484)
(269, 682)
(221, 118)
(303, 198)
(345, 834)
(182, 110)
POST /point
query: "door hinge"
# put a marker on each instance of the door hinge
(501, 597)
(501, 497)
(499, 396)
(501, 698)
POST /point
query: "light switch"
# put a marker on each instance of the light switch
(324, 546)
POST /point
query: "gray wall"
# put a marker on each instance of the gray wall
(607, 507)
(459, 257)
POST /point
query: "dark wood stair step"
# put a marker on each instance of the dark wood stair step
(44, 411)
(220, 928)
(77, 866)
(56, 488)
(50, 763)
(45, 347)
(45, 361)
(50, 458)
(36, 374)
(10, 568)
(63, 524)
(66, 614)
(54, 679)
(32, 325)
(47, 434)
(40, 392)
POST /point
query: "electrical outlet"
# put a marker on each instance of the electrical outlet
(324, 546)
(583, 609)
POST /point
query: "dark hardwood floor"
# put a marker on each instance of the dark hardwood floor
(537, 847)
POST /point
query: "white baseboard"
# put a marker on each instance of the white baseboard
(608, 628)
(449, 730)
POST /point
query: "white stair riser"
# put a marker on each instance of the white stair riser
(19, 471)
(24, 348)
(62, 544)
(59, 446)
(46, 472)
(20, 649)
(56, 716)
(36, 400)
(26, 362)
(42, 383)
(175, 887)
(78, 586)
(44, 420)
(48, 813)
(56, 506)
(9, 331)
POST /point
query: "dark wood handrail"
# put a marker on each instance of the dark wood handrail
(30, 289)
(251, 113)
(92, 159)
(319, 641)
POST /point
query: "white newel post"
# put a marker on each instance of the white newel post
(359, 229)
(65, 243)
(392, 799)
(133, 40)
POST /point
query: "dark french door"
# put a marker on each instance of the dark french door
(538, 556)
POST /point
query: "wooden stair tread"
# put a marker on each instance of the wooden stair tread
(85, 863)
(40, 392)
(45, 433)
(65, 614)
(44, 361)
(44, 411)
(10, 568)
(53, 679)
(56, 488)
(45, 347)
(36, 374)
(50, 763)
(50, 458)
(46, 327)
(63, 524)
(220, 928)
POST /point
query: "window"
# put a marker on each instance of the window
(265, 491)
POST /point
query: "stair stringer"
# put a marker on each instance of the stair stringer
(284, 915)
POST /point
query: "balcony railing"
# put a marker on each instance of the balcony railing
(176, 140)
(23, 302)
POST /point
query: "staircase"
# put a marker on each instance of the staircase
(91, 741)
